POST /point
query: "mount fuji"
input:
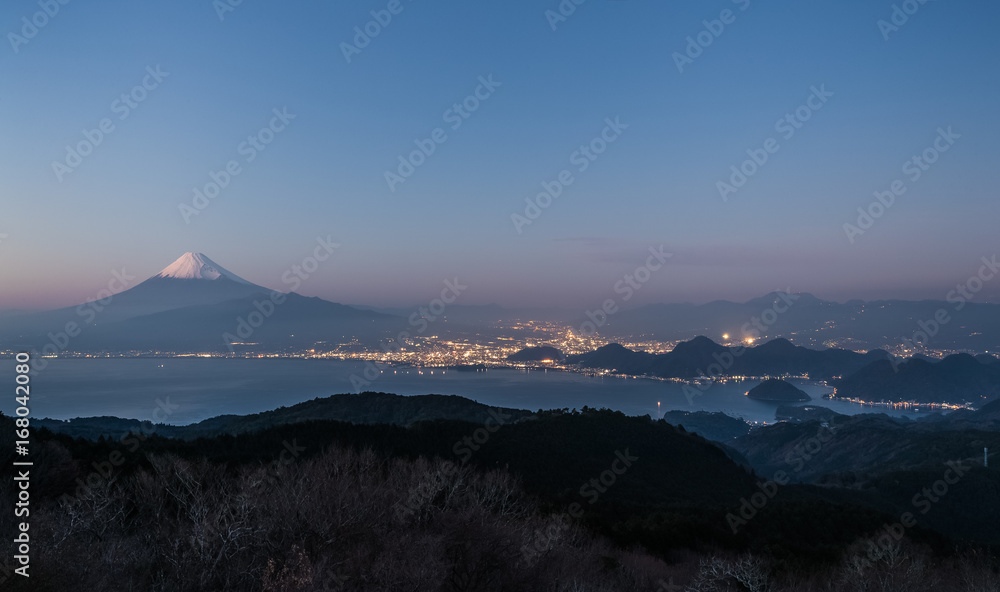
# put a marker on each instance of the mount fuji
(192, 280)
(196, 266)
(189, 305)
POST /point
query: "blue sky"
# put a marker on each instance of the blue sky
(655, 184)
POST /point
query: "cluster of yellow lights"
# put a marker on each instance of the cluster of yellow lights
(748, 340)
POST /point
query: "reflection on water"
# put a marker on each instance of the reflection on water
(206, 387)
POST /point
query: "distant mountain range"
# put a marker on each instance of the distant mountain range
(702, 357)
(801, 317)
(958, 377)
(194, 302)
(871, 376)
(812, 321)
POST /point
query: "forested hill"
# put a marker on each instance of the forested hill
(364, 408)
(521, 493)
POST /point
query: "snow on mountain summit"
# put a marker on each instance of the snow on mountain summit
(196, 266)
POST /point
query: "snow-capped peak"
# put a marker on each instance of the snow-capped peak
(196, 266)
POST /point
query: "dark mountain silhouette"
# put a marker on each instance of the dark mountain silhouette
(780, 356)
(703, 357)
(364, 408)
(663, 486)
(537, 354)
(713, 425)
(986, 417)
(957, 378)
(869, 376)
(616, 357)
(805, 413)
(811, 321)
(777, 390)
(987, 359)
(688, 358)
(890, 458)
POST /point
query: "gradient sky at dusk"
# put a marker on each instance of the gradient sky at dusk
(656, 184)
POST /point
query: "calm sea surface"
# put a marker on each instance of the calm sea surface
(205, 387)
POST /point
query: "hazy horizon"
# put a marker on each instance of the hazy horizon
(647, 289)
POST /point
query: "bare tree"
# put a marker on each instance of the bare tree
(746, 573)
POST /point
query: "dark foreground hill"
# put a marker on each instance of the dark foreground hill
(520, 502)
(894, 460)
(364, 408)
